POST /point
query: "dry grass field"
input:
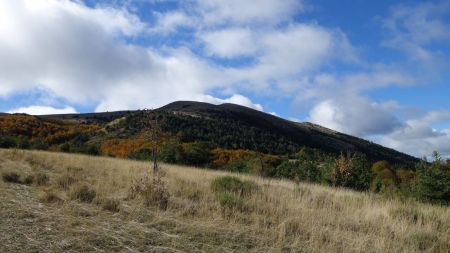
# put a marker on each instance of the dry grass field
(51, 202)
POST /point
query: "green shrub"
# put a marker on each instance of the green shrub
(286, 170)
(11, 177)
(433, 182)
(171, 152)
(8, 142)
(230, 200)
(233, 185)
(82, 193)
(196, 153)
(39, 145)
(308, 171)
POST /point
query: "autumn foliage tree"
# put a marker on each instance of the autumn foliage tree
(152, 135)
(353, 171)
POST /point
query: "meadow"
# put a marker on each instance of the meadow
(56, 202)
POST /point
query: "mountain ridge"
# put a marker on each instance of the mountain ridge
(232, 126)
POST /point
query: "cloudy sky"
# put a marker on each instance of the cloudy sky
(376, 69)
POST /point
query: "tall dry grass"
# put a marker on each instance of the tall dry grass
(280, 216)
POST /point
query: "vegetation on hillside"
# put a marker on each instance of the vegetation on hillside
(212, 142)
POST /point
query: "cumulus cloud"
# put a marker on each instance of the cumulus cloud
(234, 99)
(79, 54)
(41, 44)
(247, 11)
(168, 22)
(43, 110)
(357, 116)
(229, 43)
(418, 138)
(280, 60)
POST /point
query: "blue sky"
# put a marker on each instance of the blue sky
(375, 69)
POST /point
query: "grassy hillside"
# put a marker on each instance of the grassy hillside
(72, 203)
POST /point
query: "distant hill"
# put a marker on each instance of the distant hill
(228, 126)
(233, 126)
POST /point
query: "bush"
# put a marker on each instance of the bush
(82, 193)
(231, 193)
(151, 191)
(352, 171)
(242, 166)
(264, 165)
(196, 153)
(171, 152)
(286, 170)
(230, 201)
(11, 177)
(433, 182)
(233, 185)
(39, 145)
(308, 171)
(8, 142)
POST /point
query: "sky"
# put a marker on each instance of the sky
(379, 70)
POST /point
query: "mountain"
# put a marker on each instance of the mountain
(281, 136)
(227, 126)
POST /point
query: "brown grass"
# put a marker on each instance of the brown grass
(280, 216)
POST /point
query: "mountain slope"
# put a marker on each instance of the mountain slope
(237, 118)
(231, 126)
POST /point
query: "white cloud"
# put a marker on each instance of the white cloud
(245, 11)
(229, 43)
(413, 29)
(325, 85)
(168, 22)
(281, 60)
(43, 110)
(418, 138)
(42, 45)
(234, 99)
(357, 116)
(79, 54)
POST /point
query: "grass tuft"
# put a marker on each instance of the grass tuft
(234, 185)
(82, 192)
(65, 181)
(111, 204)
(50, 197)
(28, 180)
(153, 191)
(41, 179)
